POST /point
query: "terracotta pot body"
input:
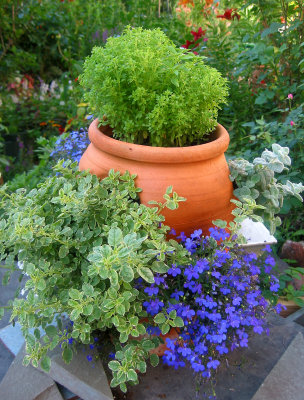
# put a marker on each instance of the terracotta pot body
(198, 173)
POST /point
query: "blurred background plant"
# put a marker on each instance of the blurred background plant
(257, 44)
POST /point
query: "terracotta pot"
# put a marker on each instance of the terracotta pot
(198, 173)
(160, 350)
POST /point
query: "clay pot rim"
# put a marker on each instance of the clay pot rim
(152, 154)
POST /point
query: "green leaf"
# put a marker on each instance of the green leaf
(114, 365)
(63, 251)
(142, 367)
(46, 364)
(165, 328)
(75, 314)
(220, 223)
(123, 337)
(127, 273)
(67, 355)
(75, 294)
(132, 375)
(123, 387)
(154, 359)
(159, 318)
(41, 285)
(175, 81)
(178, 322)
(51, 330)
(146, 274)
(148, 345)
(160, 267)
(120, 309)
(114, 237)
(88, 309)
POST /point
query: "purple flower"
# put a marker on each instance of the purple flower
(187, 312)
(185, 351)
(174, 270)
(197, 366)
(177, 294)
(89, 358)
(152, 290)
(222, 349)
(190, 273)
(218, 234)
(213, 363)
(182, 237)
(236, 301)
(202, 265)
(196, 235)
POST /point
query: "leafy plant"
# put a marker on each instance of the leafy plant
(82, 242)
(257, 181)
(287, 289)
(151, 92)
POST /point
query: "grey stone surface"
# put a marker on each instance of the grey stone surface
(300, 318)
(238, 379)
(86, 379)
(27, 383)
(6, 358)
(286, 380)
(7, 293)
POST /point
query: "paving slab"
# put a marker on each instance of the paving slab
(8, 293)
(86, 379)
(6, 358)
(239, 377)
(12, 337)
(286, 380)
(27, 383)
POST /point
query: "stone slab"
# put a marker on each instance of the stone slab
(8, 293)
(12, 337)
(286, 380)
(86, 379)
(239, 377)
(27, 383)
(6, 358)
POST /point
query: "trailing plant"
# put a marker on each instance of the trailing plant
(82, 243)
(220, 294)
(151, 92)
(257, 181)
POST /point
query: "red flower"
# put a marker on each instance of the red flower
(228, 14)
(196, 53)
(188, 43)
(60, 129)
(197, 35)
(76, 79)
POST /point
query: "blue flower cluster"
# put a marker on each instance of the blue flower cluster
(217, 295)
(71, 147)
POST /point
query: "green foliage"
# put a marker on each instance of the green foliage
(257, 181)
(152, 92)
(82, 243)
(287, 289)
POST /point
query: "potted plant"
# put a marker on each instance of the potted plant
(92, 252)
(156, 107)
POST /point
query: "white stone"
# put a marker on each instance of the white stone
(256, 235)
